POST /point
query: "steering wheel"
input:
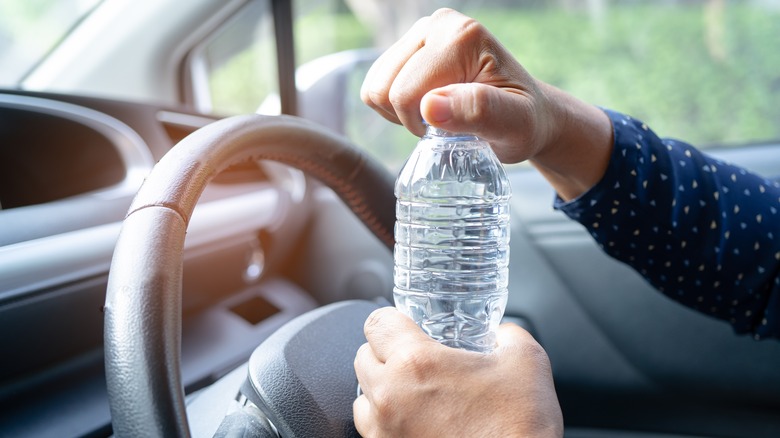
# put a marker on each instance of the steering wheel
(142, 332)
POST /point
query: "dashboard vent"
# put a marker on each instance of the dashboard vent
(44, 157)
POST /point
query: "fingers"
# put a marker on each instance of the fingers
(404, 395)
(449, 70)
(388, 330)
(375, 91)
(367, 366)
(363, 417)
(437, 50)
(367, 369)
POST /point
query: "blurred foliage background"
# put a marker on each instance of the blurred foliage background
(708, 72)
(705, 71)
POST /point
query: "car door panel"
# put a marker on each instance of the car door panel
(623, 354)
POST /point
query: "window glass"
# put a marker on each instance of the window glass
(235, 71)
(323, 27)
(29, 29)
(389, 143)
(707, 71)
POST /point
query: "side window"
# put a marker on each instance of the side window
(389, 143)
(234, 71)
(336, 43)
(701, 70)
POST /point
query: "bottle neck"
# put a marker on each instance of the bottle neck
(434, 132)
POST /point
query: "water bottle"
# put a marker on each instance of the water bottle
(452, 239)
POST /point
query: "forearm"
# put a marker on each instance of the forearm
(701, 231)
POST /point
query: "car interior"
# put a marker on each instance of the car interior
(234, 131)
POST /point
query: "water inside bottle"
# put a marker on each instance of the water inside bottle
(452, 241)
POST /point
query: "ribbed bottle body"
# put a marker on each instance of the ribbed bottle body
(452, 240)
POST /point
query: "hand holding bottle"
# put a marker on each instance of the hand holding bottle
(449, 70)
(414, 386)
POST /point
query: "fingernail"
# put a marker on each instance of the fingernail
(438, 108)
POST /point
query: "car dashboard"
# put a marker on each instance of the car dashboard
(69, 168)
(267, 243)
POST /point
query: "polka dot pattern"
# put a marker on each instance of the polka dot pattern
(703, 232)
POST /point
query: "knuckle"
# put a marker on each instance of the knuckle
(374, 319)
(456, 30)
(475, 106)
(535, 354)
(442, 12)
(383, 404)
(365, 95)
(362, 351)
(472, 29)
(375, 97)
(371, 322)
(422, 22)
(415, 363)
(399, 99)
(466, 29)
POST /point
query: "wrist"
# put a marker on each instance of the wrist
(579, 144)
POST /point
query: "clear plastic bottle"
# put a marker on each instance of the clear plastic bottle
(452, 239)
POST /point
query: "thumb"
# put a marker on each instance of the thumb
(503, 118)
(388, 330)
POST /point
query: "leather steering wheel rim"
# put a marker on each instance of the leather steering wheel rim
(142, 331)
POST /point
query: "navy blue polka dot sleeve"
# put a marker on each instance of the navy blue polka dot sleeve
(703, 232)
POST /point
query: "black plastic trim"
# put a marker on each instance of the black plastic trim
(285, 55)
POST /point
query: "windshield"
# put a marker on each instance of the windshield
(29, 29)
